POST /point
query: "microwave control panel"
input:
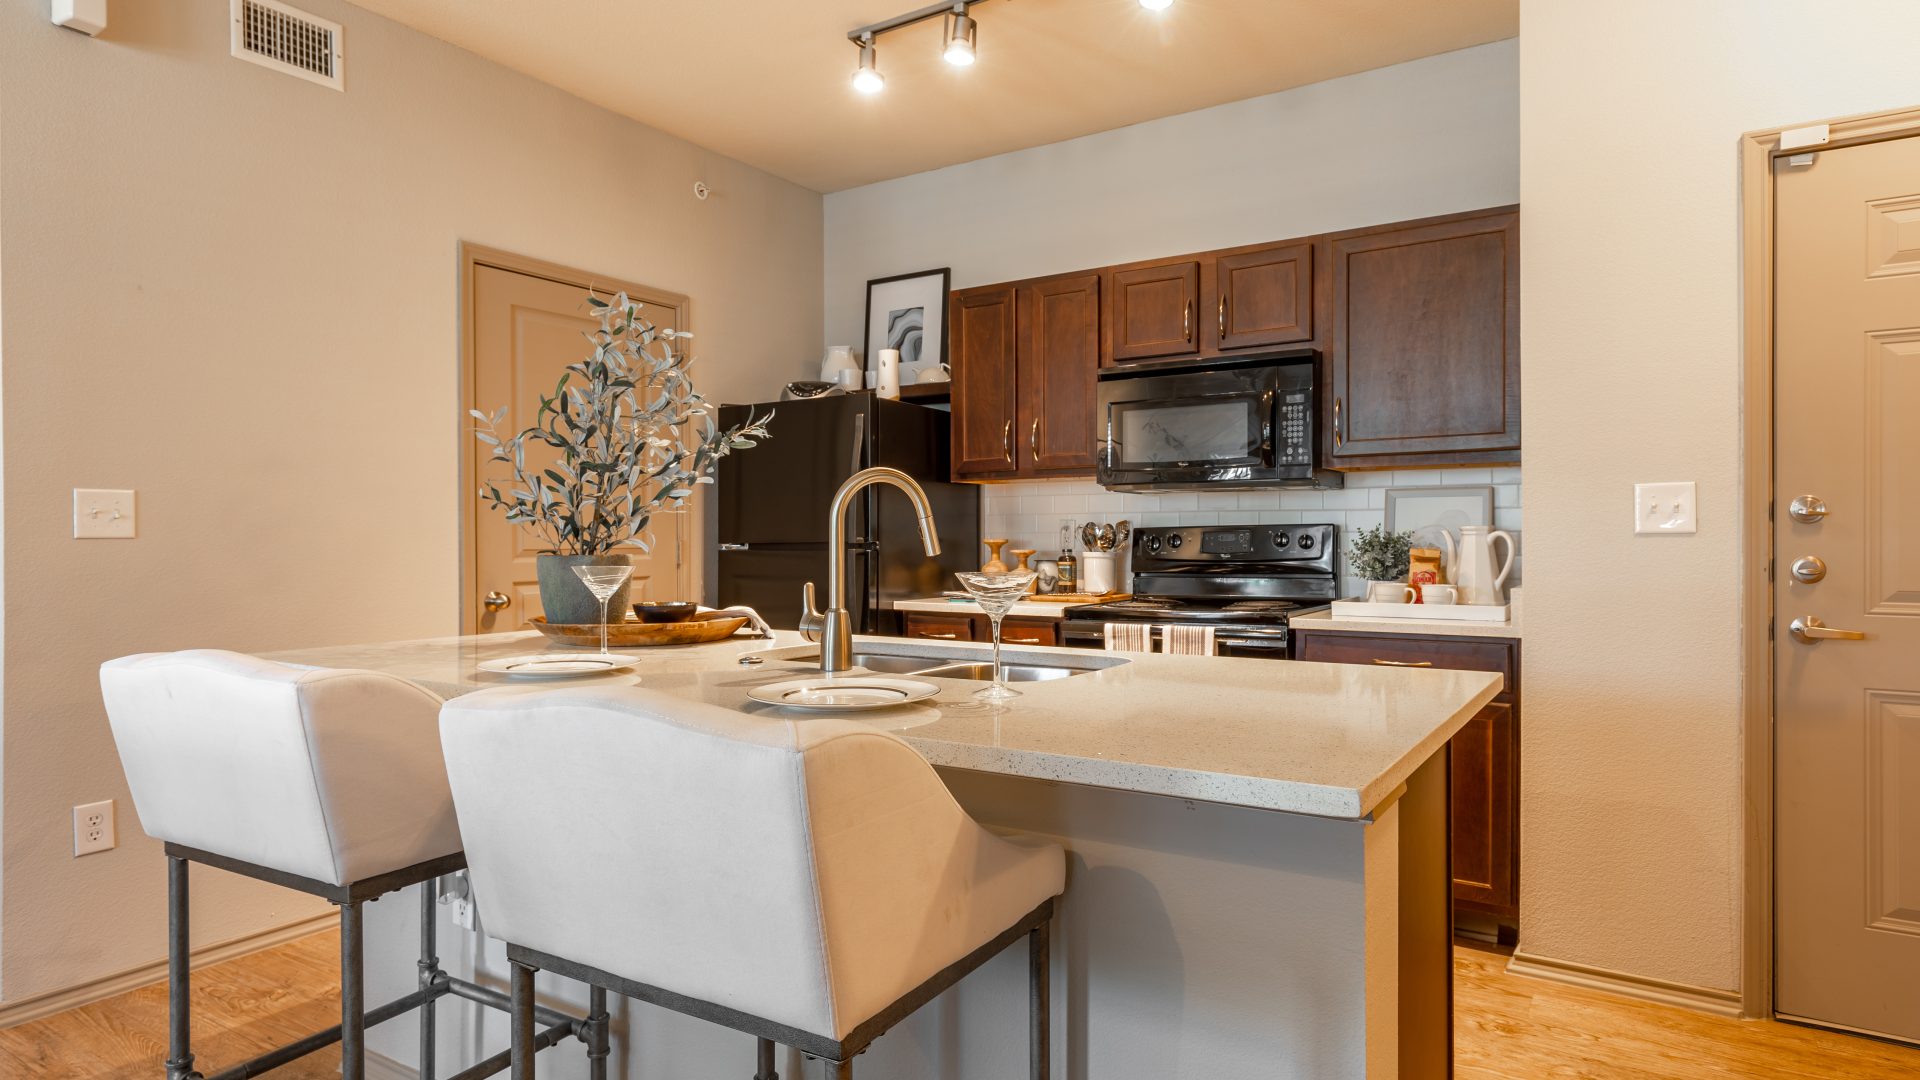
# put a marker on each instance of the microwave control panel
(1296, 428)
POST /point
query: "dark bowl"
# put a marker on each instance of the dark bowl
(679, 611)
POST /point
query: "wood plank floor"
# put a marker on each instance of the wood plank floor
(1508, 1028)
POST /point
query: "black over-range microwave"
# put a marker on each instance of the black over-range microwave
(1239, 422)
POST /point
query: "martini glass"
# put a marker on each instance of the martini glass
(603, 582)
(996, 595)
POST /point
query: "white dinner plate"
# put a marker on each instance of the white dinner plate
(556, 665)
(847, 693)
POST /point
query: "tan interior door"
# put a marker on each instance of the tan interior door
(1847, 709)
(526, 330)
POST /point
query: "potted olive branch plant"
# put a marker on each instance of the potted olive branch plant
(633, 440)
(1377, 555)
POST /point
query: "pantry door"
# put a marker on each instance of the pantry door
(526, 322)
(1846, 594)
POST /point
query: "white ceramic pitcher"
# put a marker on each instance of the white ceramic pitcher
(1470, 566)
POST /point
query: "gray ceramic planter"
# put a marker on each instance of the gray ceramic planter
(565, 598)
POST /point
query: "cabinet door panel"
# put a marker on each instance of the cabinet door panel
(1154, 311)
(1425, 353)
(1265, 297)
(983, 325)
(1483, 801)
(918, 624)
(1059, 363)
(1029, 631)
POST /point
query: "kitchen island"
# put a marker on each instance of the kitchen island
(1257, 881)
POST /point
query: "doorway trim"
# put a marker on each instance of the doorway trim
(472, 256)
(1757, 151)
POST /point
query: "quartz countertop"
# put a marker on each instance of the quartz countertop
(1032, 609)
(1317, 621)
(1331, 740)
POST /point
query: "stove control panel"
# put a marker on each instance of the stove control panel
(1235, 544)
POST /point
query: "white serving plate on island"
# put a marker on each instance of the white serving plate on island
(844, 693)
(556, 665)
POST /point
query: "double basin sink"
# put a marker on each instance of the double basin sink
(928, 663)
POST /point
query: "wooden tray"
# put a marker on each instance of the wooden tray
(1077, 597)
(703, 627)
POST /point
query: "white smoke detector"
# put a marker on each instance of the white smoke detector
(87, 16)
(290, 41)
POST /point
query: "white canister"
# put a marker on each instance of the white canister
(886, 382)
(1096, 572)
(839, 359)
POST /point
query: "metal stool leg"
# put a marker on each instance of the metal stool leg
(599, 1042)
(1039, 963)
(179, 975)
(353, 1002)
(765, 1071)
(520, 1022)
(429, 971)
(841, 1070)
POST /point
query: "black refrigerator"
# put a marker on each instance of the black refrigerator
(774, 500)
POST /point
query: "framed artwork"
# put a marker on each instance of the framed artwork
(907, 312)
(1420, 509)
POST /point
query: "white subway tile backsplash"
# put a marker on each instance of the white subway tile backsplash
(1506, 495)
(1069, 504)
(1378, 478)
(1302, 500)
(1507, 474)
(1508, 519)
(1349, 499)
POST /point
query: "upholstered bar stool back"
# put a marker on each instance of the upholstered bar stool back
(328, 782)
(808, 873)
(335, 776)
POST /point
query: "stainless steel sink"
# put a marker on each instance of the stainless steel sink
(889, 664)
(1013, 672)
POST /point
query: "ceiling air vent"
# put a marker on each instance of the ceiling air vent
(286, 39)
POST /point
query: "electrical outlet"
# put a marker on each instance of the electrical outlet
(1664, 509)
(92, 828)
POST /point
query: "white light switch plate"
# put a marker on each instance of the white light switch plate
(1664, 509)
(102, 514)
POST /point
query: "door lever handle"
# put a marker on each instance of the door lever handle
(496, 601)
(1808, 629)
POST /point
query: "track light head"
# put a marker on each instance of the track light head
(867, 78)
(961, 34)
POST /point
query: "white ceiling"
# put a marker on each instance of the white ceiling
(766, 81)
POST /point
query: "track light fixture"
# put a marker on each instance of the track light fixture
(960, 37)
(867, 78)
(1156, 5)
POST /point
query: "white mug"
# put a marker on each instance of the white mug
(1390, 592)
(938, 374)
(1439, 594)
(850, 378)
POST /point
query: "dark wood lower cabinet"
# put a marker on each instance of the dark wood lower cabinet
(1486, 755)
(961, 626)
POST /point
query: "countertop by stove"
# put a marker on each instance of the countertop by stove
(1326, 621)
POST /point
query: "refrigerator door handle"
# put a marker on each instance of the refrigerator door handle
(735, 547)
(859, 441)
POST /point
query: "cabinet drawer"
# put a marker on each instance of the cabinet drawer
(939, 627)
(1017, 631)
(1403, 650)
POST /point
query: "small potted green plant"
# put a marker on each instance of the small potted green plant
(1381, 558)
(623, 437)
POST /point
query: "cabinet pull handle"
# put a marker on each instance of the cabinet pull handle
(1223, 318)
(942, 637)
(1337, 440)
(1033, 441)
(1186, 321)
(1403, 663)
(1006, 442)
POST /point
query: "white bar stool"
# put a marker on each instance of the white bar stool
(807, 882)
(327, 782)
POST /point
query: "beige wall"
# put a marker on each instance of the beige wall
(236, 292)
(1630, 118)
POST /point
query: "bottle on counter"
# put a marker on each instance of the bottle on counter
(1069, 567)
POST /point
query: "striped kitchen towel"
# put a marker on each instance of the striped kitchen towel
(1129, 637)
(1187, 640)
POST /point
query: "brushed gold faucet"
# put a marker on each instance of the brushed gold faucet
(836, 624)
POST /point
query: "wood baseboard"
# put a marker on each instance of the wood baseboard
(382, 1067)
(1698, 998)
(72, 997)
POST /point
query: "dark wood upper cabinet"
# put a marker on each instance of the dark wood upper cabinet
(1263, 297)
(1424, 363)
(982, 346)
(1155, 311)
(1058, 364)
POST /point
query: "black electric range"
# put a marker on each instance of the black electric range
(1245, 581)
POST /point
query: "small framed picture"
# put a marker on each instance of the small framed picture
(1421, 509)
(907, 312)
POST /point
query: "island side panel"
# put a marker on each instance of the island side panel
(1425, 893)
(1196, 941)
